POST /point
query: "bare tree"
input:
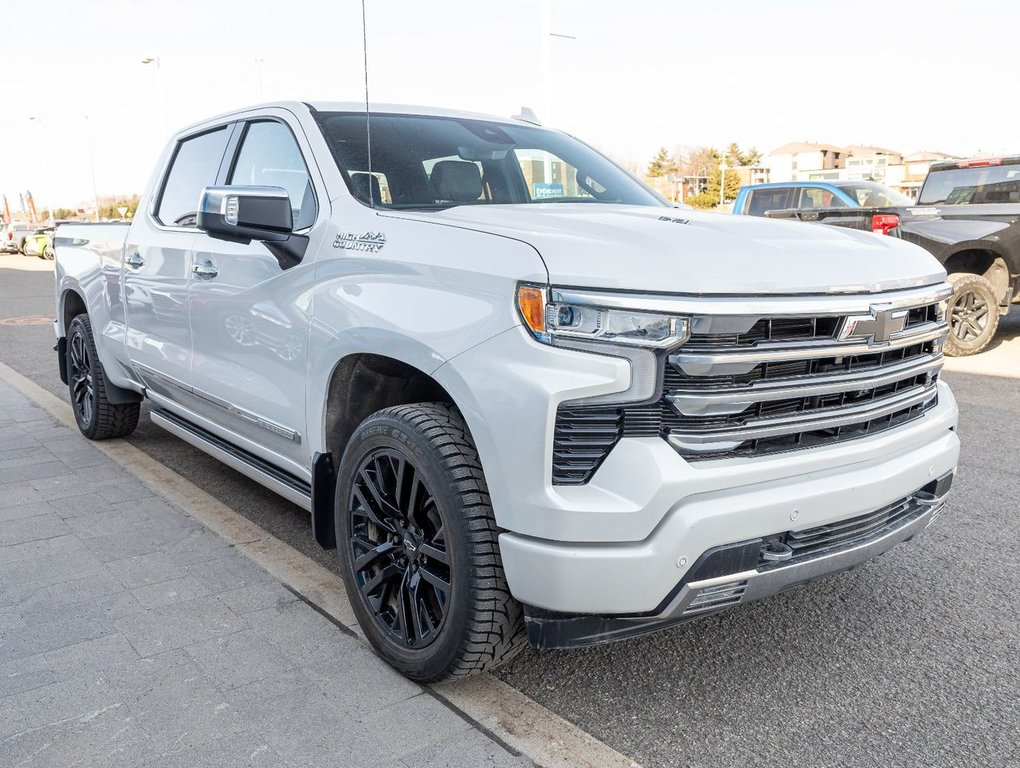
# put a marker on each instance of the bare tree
(698, 161)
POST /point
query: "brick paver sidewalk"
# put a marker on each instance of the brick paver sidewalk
(130, 635)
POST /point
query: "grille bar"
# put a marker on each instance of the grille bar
(691, 401)
(758, 429)
(702, 363)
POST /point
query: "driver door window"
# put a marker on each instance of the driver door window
(270, 157)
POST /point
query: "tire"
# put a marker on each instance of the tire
(439, 511)
(97, 417)
(973, 314)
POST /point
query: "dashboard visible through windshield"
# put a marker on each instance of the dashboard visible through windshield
(429, 162)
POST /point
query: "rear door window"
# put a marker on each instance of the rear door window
(762, 200)
(194, 167)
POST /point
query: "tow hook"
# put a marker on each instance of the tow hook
(775, 551)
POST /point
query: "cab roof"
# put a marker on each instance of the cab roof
(354, 106)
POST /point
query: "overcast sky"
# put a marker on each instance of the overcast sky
(640, 73)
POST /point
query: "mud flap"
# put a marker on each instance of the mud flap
(323, 497)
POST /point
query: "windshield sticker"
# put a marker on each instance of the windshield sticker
(372, 242)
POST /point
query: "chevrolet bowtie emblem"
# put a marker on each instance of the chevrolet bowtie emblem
(878, 326)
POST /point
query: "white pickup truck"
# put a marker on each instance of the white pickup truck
(523, 396)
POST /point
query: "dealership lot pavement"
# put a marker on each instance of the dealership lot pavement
(131, 635)
(911, 659)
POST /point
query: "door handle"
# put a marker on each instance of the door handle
(135, 261)
(206, 271)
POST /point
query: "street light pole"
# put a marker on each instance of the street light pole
(722, 181)
(159, 94)
(262, 93)
(547, 36)
(92, 165)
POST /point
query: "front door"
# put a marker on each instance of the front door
(250, 316)
(158, 261)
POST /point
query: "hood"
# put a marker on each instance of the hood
(669, 250)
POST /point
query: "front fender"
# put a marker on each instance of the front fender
(328, 353)
(944, 237)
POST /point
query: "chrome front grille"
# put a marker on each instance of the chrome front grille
(751, 385)
(763, 377)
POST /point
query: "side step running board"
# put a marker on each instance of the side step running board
(259, 470)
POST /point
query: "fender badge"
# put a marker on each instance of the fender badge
(674, 220)
(372, 242)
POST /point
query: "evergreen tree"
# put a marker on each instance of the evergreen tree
(662, 164)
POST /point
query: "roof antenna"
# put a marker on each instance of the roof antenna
(368, 114)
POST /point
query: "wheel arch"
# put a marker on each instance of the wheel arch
(72, 303)
(359, 384)
(988, 263)
(362, 383)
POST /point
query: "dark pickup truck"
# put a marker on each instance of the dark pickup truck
(968, 216)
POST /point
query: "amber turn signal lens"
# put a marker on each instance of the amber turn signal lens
(531, 302)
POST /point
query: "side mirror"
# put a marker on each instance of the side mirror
(242, 214)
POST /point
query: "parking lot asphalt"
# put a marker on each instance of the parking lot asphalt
(913, 659)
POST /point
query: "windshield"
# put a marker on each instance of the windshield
(972, 186)
(429, 162)
(868, 194)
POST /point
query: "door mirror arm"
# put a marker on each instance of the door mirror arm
(288, 252)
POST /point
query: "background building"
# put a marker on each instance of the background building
(786, 162)
(824, 162)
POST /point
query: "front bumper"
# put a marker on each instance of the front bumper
(635, 577)
(745, 571)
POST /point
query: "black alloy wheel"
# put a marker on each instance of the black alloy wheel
(419, 547)
(79, 376)
(398, 548)
(98, 417)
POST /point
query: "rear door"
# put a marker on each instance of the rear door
(158, 258)
(249, 315)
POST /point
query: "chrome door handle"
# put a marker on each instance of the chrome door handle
(206, 271)
(134, 261)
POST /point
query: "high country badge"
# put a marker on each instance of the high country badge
(372, 242)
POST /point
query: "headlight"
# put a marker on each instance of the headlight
(560, 323)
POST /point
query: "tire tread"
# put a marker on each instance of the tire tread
(112, 420)
(495, 626)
